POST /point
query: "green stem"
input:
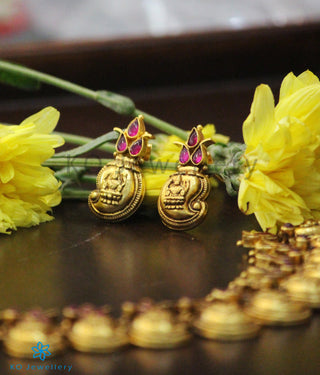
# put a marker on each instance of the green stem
(89, 146)
(12, 73)
(81, 140)
(73, 138)
(68, 162)
(88, 178)
(47, 78)
(76, 162)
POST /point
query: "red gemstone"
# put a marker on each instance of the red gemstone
(133, 128)
(136, 147)
(122, 143)
(184, 155)
(193, 138)
(197, 156)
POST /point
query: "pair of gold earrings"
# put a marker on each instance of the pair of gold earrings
(121, 187)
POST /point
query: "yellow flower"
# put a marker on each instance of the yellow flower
(27, 189)
(164, 150)
(281, 179)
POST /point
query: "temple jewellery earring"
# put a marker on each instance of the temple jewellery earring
(120, 184)
(181, 203)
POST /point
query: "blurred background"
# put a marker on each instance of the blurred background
(62, 20)
(196, 57)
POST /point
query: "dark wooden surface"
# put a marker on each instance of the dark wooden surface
(77, 258)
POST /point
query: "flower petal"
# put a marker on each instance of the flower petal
(27, 189)
(308, 78)
(260, 122)
(291, 83)
(281, 173)
(45, 120)
(304, 105)
(6, 172)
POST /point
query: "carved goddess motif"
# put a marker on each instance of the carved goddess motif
(181, 203)
(120, 185)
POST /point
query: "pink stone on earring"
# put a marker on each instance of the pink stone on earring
(197, 156)
(133, 128)
(193, 138)
(122, 144)
(184, 155)
(136, 147)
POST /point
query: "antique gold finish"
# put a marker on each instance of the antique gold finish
(272, 307)
(225, 321)
(249, 239)
(26, 331)
(120, 184)
(158, 328)
(279, 287)
(303, 288)
(181, 203)
(92, 330)
(309, 228)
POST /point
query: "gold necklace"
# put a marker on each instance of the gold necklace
(280, 286)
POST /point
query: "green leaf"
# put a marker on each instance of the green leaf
(119, 103)
(95, 143)
(18, 80)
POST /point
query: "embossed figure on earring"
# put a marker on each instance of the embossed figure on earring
(120, 184)
(181, 203)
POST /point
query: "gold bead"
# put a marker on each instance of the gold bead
(272, 307)
(95, 331)
(249, 239)
(227, 295)
(158, 328)
(312, 270)
(265, 246)
(308, 229)
(286, 232)
(304, 288)
(295, 256)
(224, 321)
(313, 257)
(315, 241)
(255, 272)
(30, 329)
(9, 315)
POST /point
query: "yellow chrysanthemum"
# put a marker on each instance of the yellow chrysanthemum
(27, 189)
(164, 150)
(281, 181)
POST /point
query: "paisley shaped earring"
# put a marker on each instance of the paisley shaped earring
(120, 184)
(181, 203)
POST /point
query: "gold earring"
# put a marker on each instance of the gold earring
(181, 203)
(120, 184)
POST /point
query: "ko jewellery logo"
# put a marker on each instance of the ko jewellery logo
(41, 352)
